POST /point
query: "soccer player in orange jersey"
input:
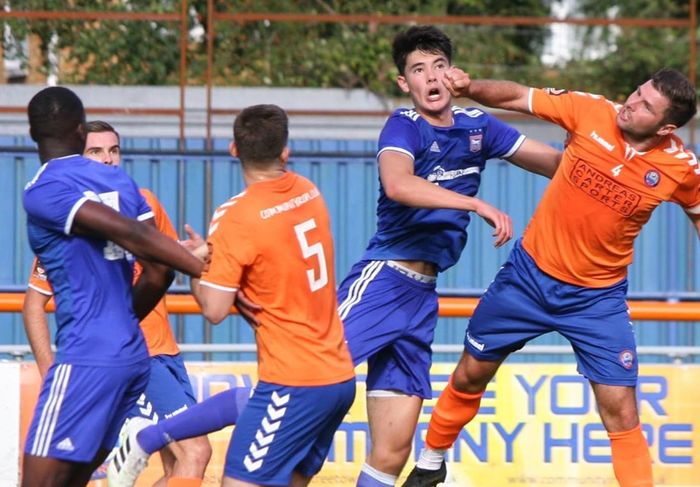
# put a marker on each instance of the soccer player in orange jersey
(569, 272)
(272, 241)
(169, 390)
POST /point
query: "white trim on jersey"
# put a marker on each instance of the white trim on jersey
(397, 149)
(39, 290)
(515, 147)
(218, 286)
(146, 216)
(51, 410)
(530, 95)
(358, 287)
(73, 211)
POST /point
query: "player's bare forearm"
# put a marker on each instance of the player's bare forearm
(537, 157)
(507, 95)
(151, 286)
(36, 326)
(215, 303)
(141, 239)
(402, 186)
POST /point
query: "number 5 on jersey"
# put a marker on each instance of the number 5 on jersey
(311, 250)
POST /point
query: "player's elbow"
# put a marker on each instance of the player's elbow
(395, 190)
(215, 316)
(214, 311)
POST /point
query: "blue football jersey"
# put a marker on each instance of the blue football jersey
(91, 277)
(452, 157)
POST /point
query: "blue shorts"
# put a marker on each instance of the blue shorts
(168, 392)
(523, 303)
(81, 409)
(284, 429)
(389, 319)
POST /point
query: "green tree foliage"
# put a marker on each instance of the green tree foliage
(611, 61)
(631, 54)
(323, 54)
(106, 51)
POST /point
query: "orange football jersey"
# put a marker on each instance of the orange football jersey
(604, 191)
(156, 326)
(273, 242)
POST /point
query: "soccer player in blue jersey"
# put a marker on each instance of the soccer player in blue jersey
(86, 221)
(430, 162)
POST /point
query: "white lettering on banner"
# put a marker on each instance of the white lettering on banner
(291, 204)
(537, 424)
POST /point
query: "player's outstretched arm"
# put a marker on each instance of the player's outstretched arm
(142, 240)
(403, 186)
(537, 157)
(152, 284)
(504, 94)
(36, 326)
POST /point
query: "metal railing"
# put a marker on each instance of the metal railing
(449, 307)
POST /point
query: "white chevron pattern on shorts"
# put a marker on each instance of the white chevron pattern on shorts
(266, 433)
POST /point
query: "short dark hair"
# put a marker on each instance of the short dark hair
(260, 133)
(424, 38)
(54, 112)
(680, 92)
(99, 126)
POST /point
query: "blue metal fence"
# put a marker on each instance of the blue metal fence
(192, 184)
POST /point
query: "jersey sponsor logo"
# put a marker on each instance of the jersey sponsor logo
(607, 145)
(475, 142)
(435, 147)
(479, 346)
(627, 359)
(66, 444)
(555, 91)
(439, 174)
(290, 204)
(652, 178)
(604, 189)
(617, 170)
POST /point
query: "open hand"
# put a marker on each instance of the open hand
(501, 222)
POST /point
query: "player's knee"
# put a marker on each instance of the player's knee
(390, 458)
(197, 452)
(470, 377)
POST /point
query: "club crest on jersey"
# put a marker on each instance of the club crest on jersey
(475, 142)
(652, 178)
(627, 359)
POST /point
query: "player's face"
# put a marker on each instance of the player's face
(103, 147)
(642, 115)
(422, 79)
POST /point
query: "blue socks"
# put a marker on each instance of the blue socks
(211, 415)
(371, 477)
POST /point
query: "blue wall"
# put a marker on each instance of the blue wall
(345, 171)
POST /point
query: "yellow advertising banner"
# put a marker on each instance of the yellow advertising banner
(537, 426)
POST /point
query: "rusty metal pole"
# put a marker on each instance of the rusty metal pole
(183, 70)
(210, 62)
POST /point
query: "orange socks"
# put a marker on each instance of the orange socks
(184, 482)
(453, 410)
(631, 458)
